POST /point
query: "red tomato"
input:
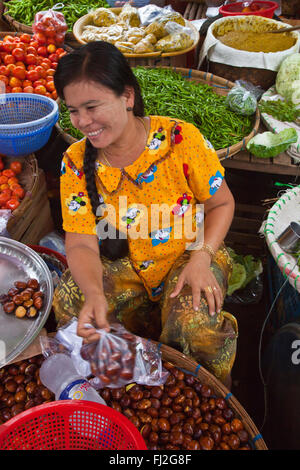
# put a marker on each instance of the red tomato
(4, 186)
(10, 69)
(28, 89)
(22, 45)
(34, 44)
(12, 180)
(40, 90)
(59, 50)
(7, 191)
(15, 82)
(40, 38)
(18, 54)
(3, 70)
(54, 65)
(31, 50)
(3, 179)
(32, 75)
(25, 38)
(41, 71)
(50, 86)
(20, 64)
(42, 50)
(8, 47)
(40, 81)
(9, 59)
(59, 38)
(9, 38)
(16, 167)
(50, 72)
(26, 83)
(17, 89)
(8, 173)
(53, 57)
(31, 59)
(4, 198)
(12, 203)
(54, 95)
(18, 193)
(19, 73)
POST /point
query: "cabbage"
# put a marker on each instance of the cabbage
(267, 144)
(241, 101)
(288, 78)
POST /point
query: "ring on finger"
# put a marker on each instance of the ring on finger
(209, 289)
(214, 288)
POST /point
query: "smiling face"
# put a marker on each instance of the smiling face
(98, 112)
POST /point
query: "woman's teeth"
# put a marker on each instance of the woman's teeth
(93, 134)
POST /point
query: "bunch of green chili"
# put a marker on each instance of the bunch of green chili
(65, 122)
(168, 93)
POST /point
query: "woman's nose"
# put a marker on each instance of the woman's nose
(84, 119)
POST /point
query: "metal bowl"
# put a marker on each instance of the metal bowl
(18, 262)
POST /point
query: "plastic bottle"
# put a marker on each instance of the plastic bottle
(59, 375)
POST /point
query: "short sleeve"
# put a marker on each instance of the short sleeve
(203, 169)
(76, 209)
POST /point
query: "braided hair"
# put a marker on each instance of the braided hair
(102, 63)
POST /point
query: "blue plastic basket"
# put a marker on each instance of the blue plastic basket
(26, 122)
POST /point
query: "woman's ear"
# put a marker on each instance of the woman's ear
(129, 96)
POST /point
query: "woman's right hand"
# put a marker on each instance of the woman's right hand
(94, 313)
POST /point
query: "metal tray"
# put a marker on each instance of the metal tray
(19, 262)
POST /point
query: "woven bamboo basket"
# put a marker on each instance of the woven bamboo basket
(134, 59)
(281, 214)
(221, 86)
(189, 365)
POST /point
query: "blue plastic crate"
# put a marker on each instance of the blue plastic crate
(26, 122)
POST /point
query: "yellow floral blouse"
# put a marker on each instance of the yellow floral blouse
(154, 202)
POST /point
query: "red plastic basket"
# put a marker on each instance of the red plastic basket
(233, 9)
(70, 425)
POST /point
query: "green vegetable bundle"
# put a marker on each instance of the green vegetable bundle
(168, 93)
(281, 110)
(24, 11)
(241, 101)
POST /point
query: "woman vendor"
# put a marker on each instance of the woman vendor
(132, 194)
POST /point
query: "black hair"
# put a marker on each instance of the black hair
(103, 63)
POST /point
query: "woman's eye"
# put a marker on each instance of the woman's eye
(72, 111)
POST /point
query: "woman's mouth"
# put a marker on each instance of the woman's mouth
(94, 133)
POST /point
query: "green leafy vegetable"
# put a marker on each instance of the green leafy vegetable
(268, 145)
(241, 101)
(288, 78)
(24, 11)
(245, 268)
(281, 110)
(168, 93)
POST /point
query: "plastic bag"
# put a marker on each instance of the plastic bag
(150, 13)
(50, 27)
(5, 215)
(54, 241)
(119, 358)
(241, 101)
(67, 341)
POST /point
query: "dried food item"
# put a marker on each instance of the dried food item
(134, 35)
(172, 16)
(125, 46)
(129, 15)
(144, 46)
(157, 29)
(174, 42)
(24, 299)
(103, 17)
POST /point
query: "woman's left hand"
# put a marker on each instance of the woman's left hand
(198, 275)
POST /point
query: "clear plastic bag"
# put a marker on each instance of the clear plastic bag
(241, 101)
(5, 215)
(50, 26)
(119, 358)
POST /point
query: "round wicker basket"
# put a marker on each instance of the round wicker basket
(189, 365)
(86, 19)
(221, 86)
(284, 211)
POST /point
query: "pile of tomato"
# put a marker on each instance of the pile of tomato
(28, 66)
(11, 191)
